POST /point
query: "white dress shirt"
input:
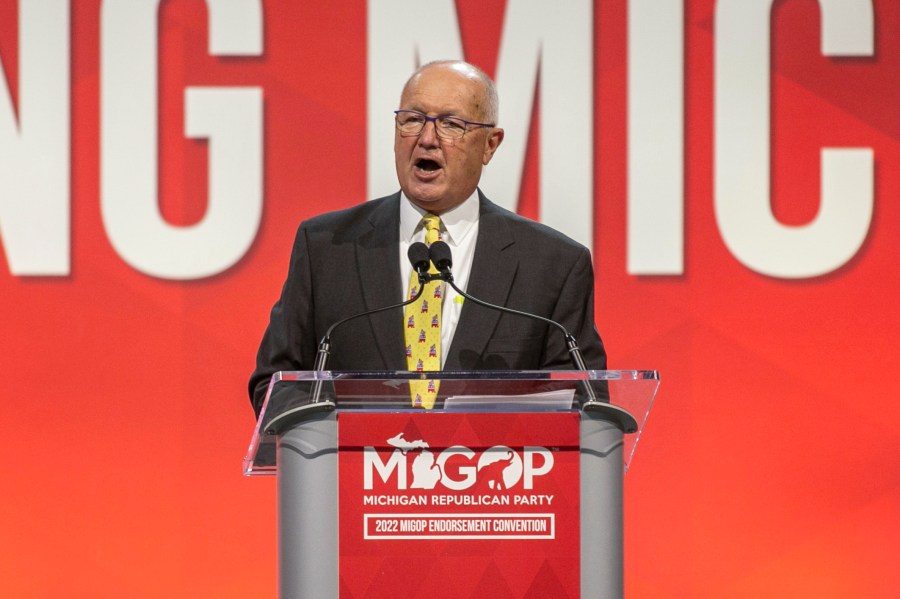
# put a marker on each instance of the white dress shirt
(459, 229)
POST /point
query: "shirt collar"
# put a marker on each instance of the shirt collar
(456, 222)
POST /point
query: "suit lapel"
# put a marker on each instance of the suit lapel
(378, 259)
(493, 270)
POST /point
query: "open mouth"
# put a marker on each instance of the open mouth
(427, 166)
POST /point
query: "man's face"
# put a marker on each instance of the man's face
(439, 174)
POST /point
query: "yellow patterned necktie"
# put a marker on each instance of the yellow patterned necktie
(422, 326)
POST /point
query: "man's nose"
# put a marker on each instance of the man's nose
(428, 136)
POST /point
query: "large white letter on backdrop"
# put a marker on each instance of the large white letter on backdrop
(553, 42)
(231, 117)
(35, 220)
(655, 137)
(742, 152)
(402, 35)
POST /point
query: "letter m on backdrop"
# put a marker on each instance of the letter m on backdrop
(546, 54)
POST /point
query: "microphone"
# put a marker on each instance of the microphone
(442, 258)
(419, 258)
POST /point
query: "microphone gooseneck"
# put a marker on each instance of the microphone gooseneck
(419, 258)
(442, 258)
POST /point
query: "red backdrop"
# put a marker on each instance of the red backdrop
(770, 466)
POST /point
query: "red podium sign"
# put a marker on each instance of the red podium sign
(446, 504)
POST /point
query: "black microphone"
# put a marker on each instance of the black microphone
(442, 258)
(418, 257)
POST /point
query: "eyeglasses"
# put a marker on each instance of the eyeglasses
(411, 122)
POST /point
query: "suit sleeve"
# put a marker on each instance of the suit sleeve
(575, 311)
(289, 341)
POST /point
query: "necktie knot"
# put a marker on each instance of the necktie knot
(432, 223)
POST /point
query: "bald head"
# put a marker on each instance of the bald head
(486, 102)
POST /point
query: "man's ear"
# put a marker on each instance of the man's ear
(491, 144)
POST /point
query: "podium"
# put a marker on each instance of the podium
(512, 483)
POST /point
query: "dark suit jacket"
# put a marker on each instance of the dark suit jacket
(347, 262)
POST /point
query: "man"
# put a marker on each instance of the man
(354, 260)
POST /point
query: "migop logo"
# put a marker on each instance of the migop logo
(457, 468)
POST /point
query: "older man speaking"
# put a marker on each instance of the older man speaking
(354, 260)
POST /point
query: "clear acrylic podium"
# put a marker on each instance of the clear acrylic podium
(296, 438)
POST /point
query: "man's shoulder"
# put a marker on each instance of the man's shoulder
(526, 231)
